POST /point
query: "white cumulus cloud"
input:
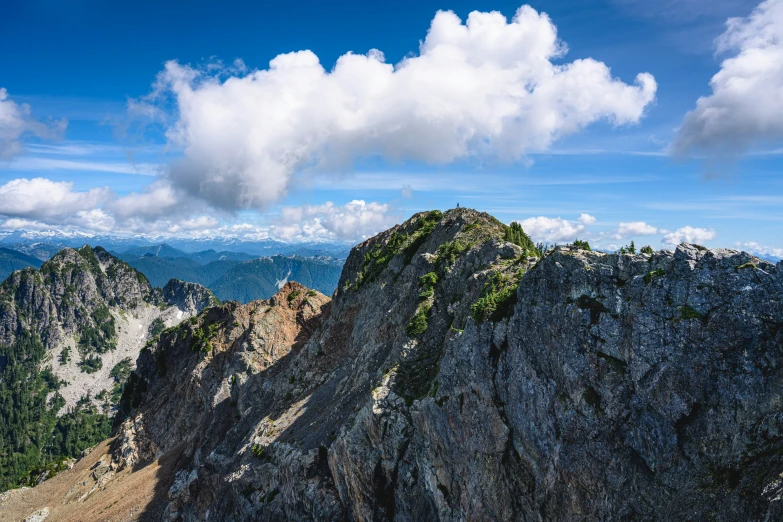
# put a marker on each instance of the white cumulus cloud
(156, 200)
(688, 234)
(41, 198)
(587, 219)
(552, 230)
(15, 122)
(356, 219)
(634, 228)
(746, 106)
(759, 249)
(487, 87)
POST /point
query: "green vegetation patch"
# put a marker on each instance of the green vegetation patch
(293, 295)
(122, 370)
(498, 299)
(33, 440)
(418, 237)
(584, 245)
(90, 364)
(427, 284)
(515, 234)
(648, 278)
(87, 253)
(747, 265)
(647, 249)
(157, 327)
(419, 322)
(202, 337)
(379, 257)
(65, 355)
(260, 452)
(100, 338)
(688, 312)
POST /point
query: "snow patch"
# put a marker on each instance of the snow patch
(281, 282)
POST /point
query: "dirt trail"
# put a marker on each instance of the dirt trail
(128, 495)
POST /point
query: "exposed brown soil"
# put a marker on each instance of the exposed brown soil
(128, 495)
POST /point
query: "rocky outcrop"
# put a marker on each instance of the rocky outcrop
(188, 297)
(456, 377)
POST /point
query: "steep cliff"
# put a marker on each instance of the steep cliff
(456, 376)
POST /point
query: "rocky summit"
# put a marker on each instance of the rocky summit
(458, 373)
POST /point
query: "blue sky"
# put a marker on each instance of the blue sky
(102, 137)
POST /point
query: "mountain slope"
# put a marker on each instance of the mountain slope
(70, 334)
(11, 260)
(159, 270)
(456, 376)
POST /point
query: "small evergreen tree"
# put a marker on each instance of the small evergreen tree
(584, 245)
(515, 234)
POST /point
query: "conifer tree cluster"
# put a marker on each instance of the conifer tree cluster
(33, 439)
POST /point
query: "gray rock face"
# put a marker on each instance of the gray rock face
(603, 387)
(55, 301)
(190, 297)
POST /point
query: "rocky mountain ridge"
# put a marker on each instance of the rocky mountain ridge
(91, 311)
(459, 376)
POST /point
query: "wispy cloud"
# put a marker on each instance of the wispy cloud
(86, 148)
(38, 164)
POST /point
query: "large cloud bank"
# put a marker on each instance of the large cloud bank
(745, 108)
(44, 205)
(485, 87)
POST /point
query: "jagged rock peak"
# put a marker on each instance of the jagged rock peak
(188, 296)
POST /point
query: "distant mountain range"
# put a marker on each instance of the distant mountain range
(232, 275)
(26, 242)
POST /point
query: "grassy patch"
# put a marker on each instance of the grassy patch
(419, 322)
(378, 258)
(648, 278)
(157, 327)
(427, 284)
(260, 452)
(448, 252)
(500, 296)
